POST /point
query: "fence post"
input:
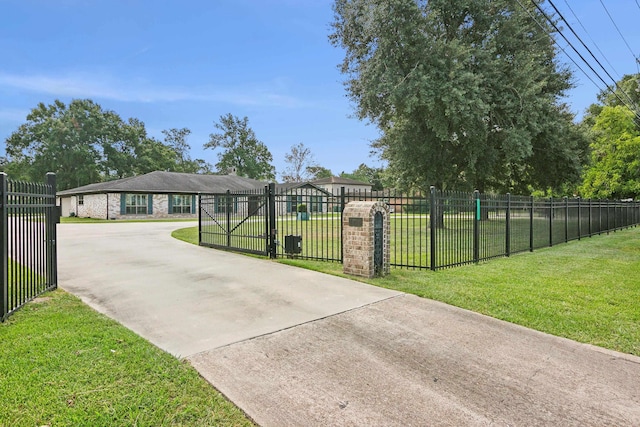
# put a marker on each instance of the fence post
(342, 203)
(606, 202)
(4, 247)
(590, 218)
(199, 219)
(432, 226)
(531, 224)
(476, 228)
(550, 221)
(566, 219)
(508, 225)
(273, 232)
(227, 208)
(579, 220)
(52, 221)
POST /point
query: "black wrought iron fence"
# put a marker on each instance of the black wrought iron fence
(427, 231)
(28, 260)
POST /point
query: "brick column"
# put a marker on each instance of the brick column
(358, 238)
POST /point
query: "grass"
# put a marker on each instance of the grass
(585, 290)
(189, 234)
(78, 220)
(63, 364)
(409, 236)
(23, 284)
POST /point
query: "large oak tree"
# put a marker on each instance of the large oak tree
(466, 93)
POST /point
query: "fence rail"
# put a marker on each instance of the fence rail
(28, 263)
(428, 231)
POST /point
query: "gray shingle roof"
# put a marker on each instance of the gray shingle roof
(169, 182)
(338, 180)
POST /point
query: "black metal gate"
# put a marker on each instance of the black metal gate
(28, 260)
(240, 221)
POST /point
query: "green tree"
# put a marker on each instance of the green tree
(64, 139)
(464, 93)
(626, 89)
(299, 164)
(241, 149)
(318, 172)
(83, 144)
(176, 139)
(614, 172)
(364, 173)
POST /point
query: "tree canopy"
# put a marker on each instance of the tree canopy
(371, 175)
(300, 164)
(84, 143)
(614, 172)
(466, 94)
(241, 150)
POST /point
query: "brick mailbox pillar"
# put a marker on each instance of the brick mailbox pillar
(365, 237)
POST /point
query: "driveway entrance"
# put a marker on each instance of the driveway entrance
(294, 347)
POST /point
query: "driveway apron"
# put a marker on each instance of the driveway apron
(298, 348)
(186, 299)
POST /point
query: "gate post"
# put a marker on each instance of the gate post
(273, 232)
(4, 248)
(476, 227)
(51, 222)
(366, 238)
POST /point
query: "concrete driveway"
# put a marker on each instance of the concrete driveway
(293, 347)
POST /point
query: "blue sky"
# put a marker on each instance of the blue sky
(175, 64)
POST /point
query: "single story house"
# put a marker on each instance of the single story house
(292, 194)
(153, 195)
(334, 183)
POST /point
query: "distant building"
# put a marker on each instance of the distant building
(153, 195)
(334, 183)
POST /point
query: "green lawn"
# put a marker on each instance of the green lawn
(585, 290)
(63, 364)
(409, 235)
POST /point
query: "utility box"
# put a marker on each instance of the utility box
(365, 236)
(293, 244)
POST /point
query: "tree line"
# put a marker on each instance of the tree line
(466, 95)
(84, 143)
(469, 95)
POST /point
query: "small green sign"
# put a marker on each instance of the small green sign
(477, 209)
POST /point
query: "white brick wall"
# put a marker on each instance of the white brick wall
(99, 205)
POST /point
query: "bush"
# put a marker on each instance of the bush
(302, 207)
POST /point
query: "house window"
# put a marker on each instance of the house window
(136, 204)
(224, 204)
(181, 203)
(292, 203)
(81, 200)
(315, 203)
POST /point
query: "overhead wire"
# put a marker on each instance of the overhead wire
(628, 98)
(635, 57)
(591, 38)
(533, 17)
(553, 24)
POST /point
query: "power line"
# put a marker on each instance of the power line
(593, 56)
(557, 44)
(550, 21)
(618, 29)
(591, 38)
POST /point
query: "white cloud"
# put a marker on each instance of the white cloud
(85, 86)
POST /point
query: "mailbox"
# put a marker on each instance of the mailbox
(293, 244)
